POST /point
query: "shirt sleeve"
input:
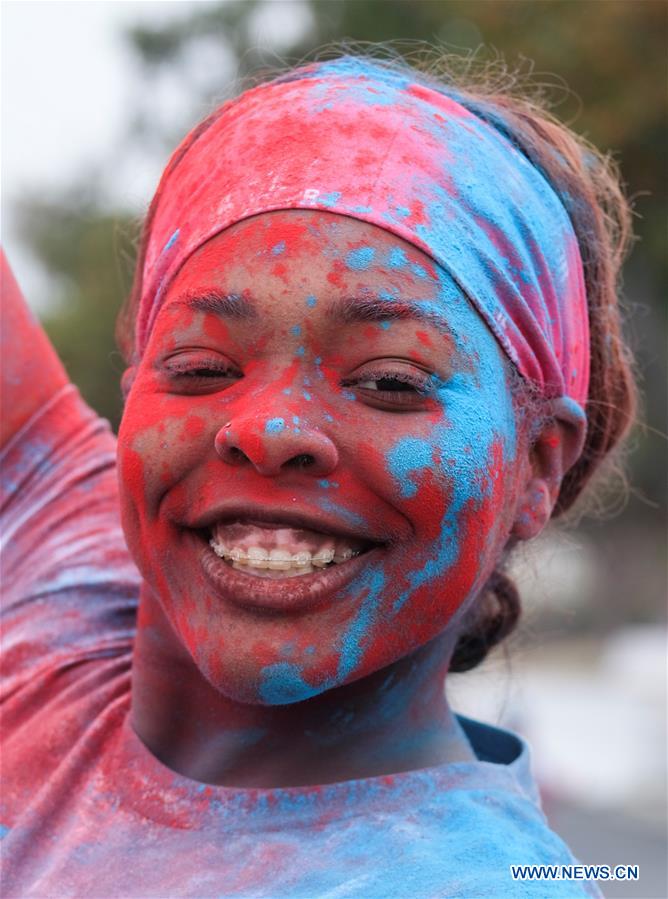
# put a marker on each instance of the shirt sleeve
(69, 586)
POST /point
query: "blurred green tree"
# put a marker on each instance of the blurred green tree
(88, 252)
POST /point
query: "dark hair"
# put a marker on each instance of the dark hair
(589, 187)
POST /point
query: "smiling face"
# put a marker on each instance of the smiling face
(319, 460)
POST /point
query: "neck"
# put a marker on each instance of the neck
(396, 719)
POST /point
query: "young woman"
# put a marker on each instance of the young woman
(373, 342)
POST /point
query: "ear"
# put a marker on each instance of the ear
(127, 380)
(555, 449)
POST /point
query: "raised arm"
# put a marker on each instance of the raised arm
(31, 370)
(69, 587)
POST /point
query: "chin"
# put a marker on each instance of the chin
(242, 680)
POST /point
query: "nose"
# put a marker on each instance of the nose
(273, 446)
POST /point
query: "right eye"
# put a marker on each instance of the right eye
(200, 373)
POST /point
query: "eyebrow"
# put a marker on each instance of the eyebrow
(346, 310)
(373, 308)
(226, 305)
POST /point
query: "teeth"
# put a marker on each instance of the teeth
(280, 559)
(302, 559)
(257, 557)
(323, 558)
(345, 555)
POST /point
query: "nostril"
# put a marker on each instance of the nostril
(269, 454)
(235, 454)
(303, 460)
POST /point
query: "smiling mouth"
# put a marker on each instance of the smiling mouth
(263, 550)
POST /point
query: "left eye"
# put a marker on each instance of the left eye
(389, 384)
(397, 390)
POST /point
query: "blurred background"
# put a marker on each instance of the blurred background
(94, 97)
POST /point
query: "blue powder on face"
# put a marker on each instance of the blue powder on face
(295, 419)
(397, 258)
(306, 395)
(350, 651)
(360, 259)
(478, 411)
(311, 301)
(408, 455)
(300, 351)
(282, 683)
(274, 426)
(296, 330)
(278, 249)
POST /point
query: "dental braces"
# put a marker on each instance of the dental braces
(278, 559)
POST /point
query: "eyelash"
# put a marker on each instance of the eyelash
(200, 371)
(199, 374)
(421, 385)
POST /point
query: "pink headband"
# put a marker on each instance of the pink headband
(362, 140)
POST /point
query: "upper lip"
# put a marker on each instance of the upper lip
(311, 520)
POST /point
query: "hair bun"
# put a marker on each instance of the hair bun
(497, 611)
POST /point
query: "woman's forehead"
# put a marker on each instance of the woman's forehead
(319, 263)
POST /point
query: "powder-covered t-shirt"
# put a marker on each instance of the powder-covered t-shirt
(88, 811)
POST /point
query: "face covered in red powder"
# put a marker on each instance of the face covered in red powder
(319, 458)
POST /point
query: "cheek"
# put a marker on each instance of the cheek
(454, 478)
(159, 440)
(460, 531)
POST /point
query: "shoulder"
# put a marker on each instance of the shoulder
(483, 818)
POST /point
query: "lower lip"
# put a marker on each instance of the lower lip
(290, 594)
